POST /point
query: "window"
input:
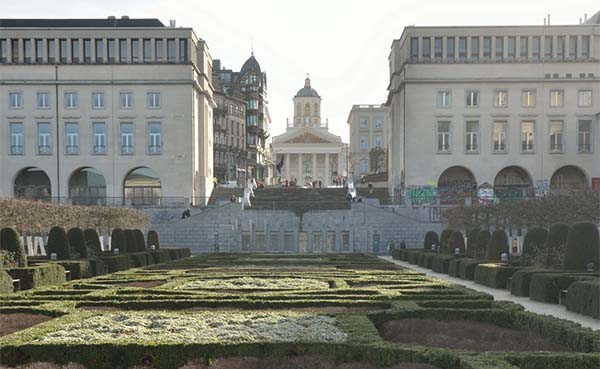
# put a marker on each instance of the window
(499, 140)
(15, 50)
(3, 51)
(71, 100)
(535, 48)
(472, 99)
(43, 100)
(112, 51)
(511, 48)
(51, 51)
(251, 119)
(17, 145)
(560, 47)
(135, 50)
(126, 100)
(364, 123)
(414, 48)
(378, 122)
(251, 140)
(472, 136)
(153, 100)
(15, 100)
(27, 51)
(39, 51)
(147, 50)
(523, 47)
(99, 138)
(171, 50)
(499, 48)
(487, 48)
(426, 48)
(438, 47)
(527, 136)
(556, 136)
(159, 49)
(97, 100)
(183, 50)
(450, 48)
(444, 99)
(501, 99)
(364, 143)
(462, 48)
(253, 105)
(443, 136)
(44, 135)
(71, 138)
(585, 98)
(475, 48)
(584, 135)
(377, 142)
(99, 51)
(585, 47)
(548, 47)
(572, 47)
(123, 51)
(62, 50)
(364, 166)
(528, 98)
(127, 138)
(75, 51)
(556, 98)
(87, 51)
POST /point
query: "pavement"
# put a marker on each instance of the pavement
(542, 308)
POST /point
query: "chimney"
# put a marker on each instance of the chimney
(112, 17)
(124, 17)
(544, 21)
(548, 19)
(585, 17)
(172, 23)
(580, 22)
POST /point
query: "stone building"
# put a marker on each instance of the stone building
(99, 111)
(512, 109)
(307, 151)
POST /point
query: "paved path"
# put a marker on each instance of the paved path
(555, 310)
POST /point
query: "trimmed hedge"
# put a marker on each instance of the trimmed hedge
(39, 275)
(6, 284)
(454, 266)
(498, 245)
(546, 287)
(58, 243)
(456, 241)
(140, 259)
(424, 259)
(483, 238)
(139, 240)
(116, 263)
(413, 256)
(494, 275)
(584, 298)
(98, 266)
(431, 238)
(117, 240)
(92, 241)
(444, 237)
(472, 242)
(152, 240)
(175, 254)
(11, 242)
(583, 247)
(130, 241)
(440, 263)
(557, 240)
(534, 240)
(79, 268)
(77, 243)
(160, 256)
(519, 283)
(466, 269)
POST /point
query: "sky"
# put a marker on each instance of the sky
(343, 44)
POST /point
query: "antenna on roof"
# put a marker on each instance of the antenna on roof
(252, 46)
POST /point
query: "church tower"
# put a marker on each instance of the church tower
(307, 107)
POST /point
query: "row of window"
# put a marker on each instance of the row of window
(504, 48)
(364, 142)
(231, 108)
(72, 138)
(98, 50)
(225, 139)
(377, 122)
(556, 142)
(528, 98)
(71, 100)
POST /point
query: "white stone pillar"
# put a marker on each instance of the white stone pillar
(299, 171)
(314, 166)
(286, 166)
(327, 171)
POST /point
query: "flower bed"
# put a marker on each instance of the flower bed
(251, 283)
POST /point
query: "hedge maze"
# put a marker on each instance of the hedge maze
(298, 311)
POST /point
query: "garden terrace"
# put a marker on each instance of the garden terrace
(281, 311)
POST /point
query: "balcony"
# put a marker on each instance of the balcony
(44, 150)
(72, 149)
(154, 149)
(99, 149)
(127, 149)
(17, 150)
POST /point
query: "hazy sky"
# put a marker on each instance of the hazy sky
(343, 44)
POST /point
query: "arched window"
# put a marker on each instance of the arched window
(455, 185)
(32, 183)
(142, 187)
(307, 109)
(87, 186)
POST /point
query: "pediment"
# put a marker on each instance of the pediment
(307, 138)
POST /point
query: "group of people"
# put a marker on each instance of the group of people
(285, 183)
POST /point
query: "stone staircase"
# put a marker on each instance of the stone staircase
(379, 193)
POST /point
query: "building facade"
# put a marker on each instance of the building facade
(307, 151)
(99, 111)
(511, 109)
(368, 147)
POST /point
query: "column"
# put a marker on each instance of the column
(327, 171)
(314, 167)
(286, 166)
(299, 178)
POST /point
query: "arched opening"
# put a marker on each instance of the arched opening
(87, 186)
(457, 185)
(32, 183)
(513, 183)
(568, 179)
(142, 187)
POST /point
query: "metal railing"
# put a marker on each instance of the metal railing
(136, 202)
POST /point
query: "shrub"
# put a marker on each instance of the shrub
(117, 240)
(92, 241)
(160, 256)
(11, 242)
(493, 275)
(584, 298)
(555, 246)
(583, 247)
(140, 259)
(519, 283)
(116, 263)
(130, 241)
(498, 245)
(546, 287)
(79, 268)
(446, 233)
(534, 241)
(440, 263)
(45, 274)
(152, 239)
(472, 241)
(139, 238)
(77, 243)
(58, 243)
(431, 238)
(483, 238)
(6, 284)
(456, 241)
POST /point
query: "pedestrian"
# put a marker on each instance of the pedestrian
(320, 184)
(186, 213)
(215, 181)
(402, 244)
(233, 199)
(391, 247)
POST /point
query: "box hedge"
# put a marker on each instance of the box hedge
(92, 241)
(116, 263)
(519, 282)
(58, 243)
(140, 259)
(440, 263)
(583, 247)
(413, 256)
(456, 241)
(175, 254)
(546, 287)
(40, 275)
(494, 275)
(498, 245)
(483, 238)
(98, 266)
(160, 256)
(79, 268)
(6, 282)
(444, 237)
(152, 240)
(466, 269)
(534, 240)
(117, 240)
(454, 266)
(11, 242)
(425, 259)
(77, 243)
(431, 238)
(584, 298)
(140, 242)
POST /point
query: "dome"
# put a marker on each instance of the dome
(307, 91)
(251, 65)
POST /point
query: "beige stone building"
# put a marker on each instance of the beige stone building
(513, 108)
(100, 111)
(307, 151)
(369, 131)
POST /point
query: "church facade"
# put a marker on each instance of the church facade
(307, 151)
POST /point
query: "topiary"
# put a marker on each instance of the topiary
(130, 241)
(534, 241)
(445, 236)
(556, 244)
(117, 240)
(431, 238)
(139, 240)
(483, 238)
(77, 243)
(58, 243)
(583, 247)
(11, 243)
(92, 241)
(498, 245)
(152, 239)
(456, 241)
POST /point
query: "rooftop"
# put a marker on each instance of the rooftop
(110, 22)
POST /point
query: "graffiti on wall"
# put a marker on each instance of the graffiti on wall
(420, 195)
(485, 193)
(542, 187)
